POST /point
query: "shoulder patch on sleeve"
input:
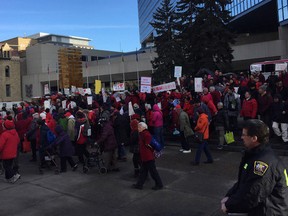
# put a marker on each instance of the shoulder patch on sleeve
(260, 168)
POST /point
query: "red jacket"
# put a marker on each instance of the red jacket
(249, 108)
(146, 152)
(9, 141)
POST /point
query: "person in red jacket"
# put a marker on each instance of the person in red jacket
(249, 107)
(148, 159)
(9, 141)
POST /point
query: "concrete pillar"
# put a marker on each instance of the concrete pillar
(283, 35)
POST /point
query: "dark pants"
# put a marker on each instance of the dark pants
(184, 141)
(149, 166)
(233, 123)
(16, 160)
(8, 167)
(64, 164)
(81, 151)
(33, 149)
(121, 151)
(136, 160)
(203, 147)
(158, 133)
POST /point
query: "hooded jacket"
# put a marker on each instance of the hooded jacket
(9, 141)
(157, 116)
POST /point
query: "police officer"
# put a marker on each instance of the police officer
(262, 186)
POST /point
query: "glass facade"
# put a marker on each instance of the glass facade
(146, 8)
(282, 10)
(239, 6)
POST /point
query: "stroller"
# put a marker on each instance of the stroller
(94, 160)
(49, 161)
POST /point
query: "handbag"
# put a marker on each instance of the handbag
(198, 136)
(155, 144)
(229, 137)
(26, 145)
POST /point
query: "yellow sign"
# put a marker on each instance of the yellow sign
(97, 86)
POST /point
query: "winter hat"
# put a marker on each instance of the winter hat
(9, 124)
(67, 114)
(35, 115)
(178, 106)
(43, 116)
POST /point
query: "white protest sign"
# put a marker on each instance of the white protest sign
(46, 89)
(281, 67)
(47, 104)
(145, 80)
(145, 88)
(130, 109)
(64, 102)
(73, 89)
(255, 67)
(87, 91)
(198, 84)
(89, 100)
(119, 87)
(66, 91)
(164, 87)
(81, 91)
(178, 71)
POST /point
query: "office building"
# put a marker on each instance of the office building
(261, 27)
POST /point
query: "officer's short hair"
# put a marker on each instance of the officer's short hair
(256, 127)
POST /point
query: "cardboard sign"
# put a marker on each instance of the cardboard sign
(164, 87)
(97, 86)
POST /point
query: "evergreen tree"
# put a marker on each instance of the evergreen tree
(168, 49)
(211, 37)
(204, 36)
(186, 11)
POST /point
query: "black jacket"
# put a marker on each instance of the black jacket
(221, 119)
(262, 187)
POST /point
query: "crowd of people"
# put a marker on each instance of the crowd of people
(111, 123)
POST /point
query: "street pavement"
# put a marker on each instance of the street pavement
(188, 190)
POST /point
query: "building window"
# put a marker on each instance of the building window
(7, 71)
(8, 91)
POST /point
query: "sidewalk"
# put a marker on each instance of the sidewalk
(188, 190)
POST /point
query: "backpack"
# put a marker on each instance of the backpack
(87, 129)
(50, 136)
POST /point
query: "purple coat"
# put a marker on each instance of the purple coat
(66, 148)
(107, 138)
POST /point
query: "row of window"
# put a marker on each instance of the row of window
(282, 10)
(239, 6)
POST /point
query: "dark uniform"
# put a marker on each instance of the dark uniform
(262, 187)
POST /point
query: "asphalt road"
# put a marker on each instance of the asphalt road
(188, 190)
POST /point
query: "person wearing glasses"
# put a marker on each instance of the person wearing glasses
(262, 186)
